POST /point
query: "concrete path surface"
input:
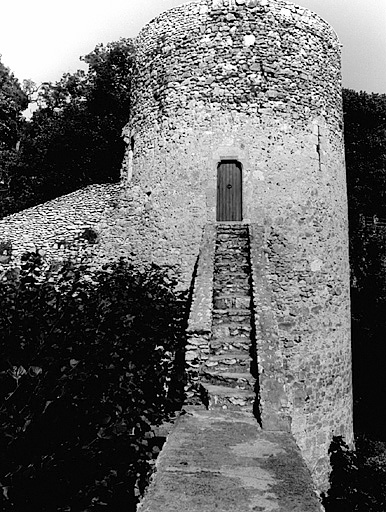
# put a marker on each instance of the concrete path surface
(221, 461)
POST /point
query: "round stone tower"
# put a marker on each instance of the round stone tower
(252, 88)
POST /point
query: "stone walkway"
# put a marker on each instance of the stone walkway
(221, 461)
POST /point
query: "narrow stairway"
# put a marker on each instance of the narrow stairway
(220, 459)
(226, 376)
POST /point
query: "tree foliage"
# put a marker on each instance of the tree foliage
(12, 102)
(365, 142)
(357, 479)
(88, 364)
(74, 137)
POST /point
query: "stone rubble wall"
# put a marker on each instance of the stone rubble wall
(274, 406)
(261, 57)
(257, 81)
(199, 327)
(55, 228)
(121, 218)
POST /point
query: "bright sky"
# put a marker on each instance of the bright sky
(42, 39)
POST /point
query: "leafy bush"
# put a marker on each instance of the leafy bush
(358, 482)
(87, 366)
(5, 251)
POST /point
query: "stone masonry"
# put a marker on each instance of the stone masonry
(258, 83)
(227, 373)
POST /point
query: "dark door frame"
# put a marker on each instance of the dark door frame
(229, 205)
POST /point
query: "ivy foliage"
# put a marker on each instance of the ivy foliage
(88, 364)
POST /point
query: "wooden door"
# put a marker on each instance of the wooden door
(229, 199)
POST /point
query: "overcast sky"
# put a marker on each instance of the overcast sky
(42, 39)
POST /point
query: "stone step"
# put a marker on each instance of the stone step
(229, 398)
(231, 274)
(223, 259)
(226, 264)
(231, 235)
(232, 246)
(240, 380)
(231, 270)
(231, 229)
(229, 361)
(236, 275)
(227, 302)
(232, 241)
(231, 291)
(230, 279)
(241, 343)
(234, 321)
(231, 312)
(238, 238)
(231, 329)
(232, 256)
(225, 369)
(234, 253)
(231, 226)
(227, 280)
(233, 265)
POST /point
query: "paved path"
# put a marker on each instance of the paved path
(221, 461)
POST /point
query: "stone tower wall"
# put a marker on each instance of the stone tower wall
(257, 81)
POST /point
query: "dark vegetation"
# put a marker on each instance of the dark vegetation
(89, 364)
(358, 479)
(365, 137)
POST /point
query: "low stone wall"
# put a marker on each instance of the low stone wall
(200, 318)
(95, 225)
(58, 229)
(311, 301)
(273, 401)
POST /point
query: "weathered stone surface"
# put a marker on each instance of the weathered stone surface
(200, 316)
(224, 462)
(55, 228)
(273, 104)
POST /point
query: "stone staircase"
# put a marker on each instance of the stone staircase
(226, 374)
(220, 455)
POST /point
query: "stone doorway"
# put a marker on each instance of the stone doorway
(229, 191)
